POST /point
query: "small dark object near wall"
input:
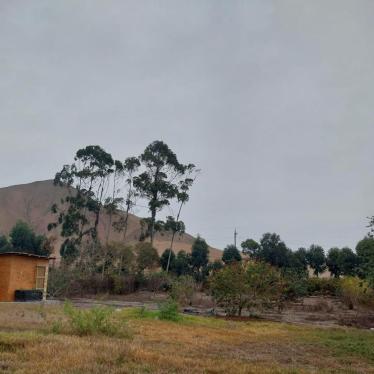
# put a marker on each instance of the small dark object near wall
(28, 295)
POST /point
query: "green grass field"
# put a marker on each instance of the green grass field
(33, 339)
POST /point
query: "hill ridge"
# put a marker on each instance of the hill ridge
(31, 202)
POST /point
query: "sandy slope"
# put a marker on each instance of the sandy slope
(31, 203)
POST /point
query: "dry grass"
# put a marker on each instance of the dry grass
(194, 345)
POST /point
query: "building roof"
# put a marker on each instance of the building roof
(25, 254)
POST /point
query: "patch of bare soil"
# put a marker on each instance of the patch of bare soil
(323, 311)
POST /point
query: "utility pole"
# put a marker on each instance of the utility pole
(235, 236)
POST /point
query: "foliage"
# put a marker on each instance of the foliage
(295, 283)
(215, 266)
(323, 286)
(356, 291)
(199, 258)
(24, 239)
(182, 290)
(229, 288)
(121, 259)
(86, 180)
(168, 255)
(342, 261)
(168, 310)
(273, 251)
(146, 256)
(299, 260)
(265, 284)
(69, 250)
(97, 320)
(129, 168)
(365, 253)
(252, 285)
(182, 263)
(250, 247)
(4, 242)
(231, 254)
(157, 281)
(316, 259)
(158, 183)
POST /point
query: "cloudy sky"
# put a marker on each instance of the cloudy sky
(273, 100)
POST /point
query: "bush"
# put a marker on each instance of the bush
(124, 284)
(355, 292)
(60, 280)
(255, 285)
(168, 311)
(295, 284)
(92, 321)
(159, 281)
(183, 289)
(321, 286)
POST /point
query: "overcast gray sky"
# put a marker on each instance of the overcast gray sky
(273, 100)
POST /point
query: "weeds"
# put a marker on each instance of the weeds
(94, 321)
(169, 311)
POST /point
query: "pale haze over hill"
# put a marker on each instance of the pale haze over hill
(32, 203)
(273, 100)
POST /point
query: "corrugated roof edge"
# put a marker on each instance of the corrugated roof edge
(26, 254)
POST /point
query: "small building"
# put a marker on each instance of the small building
(22, 271)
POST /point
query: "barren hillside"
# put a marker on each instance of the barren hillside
(32, 202)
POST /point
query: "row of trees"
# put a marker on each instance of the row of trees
(339, 261)
(98, 183)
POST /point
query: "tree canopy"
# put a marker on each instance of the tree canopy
(231, 254)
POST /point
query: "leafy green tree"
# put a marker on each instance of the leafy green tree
(348, 262)
(168, 258)
(274, 251)
(182, 263)
(158, 183)
(24, 239)
(342, 262)
(365, 253)
(174, 224)
(333, 262)
(112, 203)
(230, 289)
(86, 181)
(199, 258)
(231, 254)
(215, 266)
(146, 257)
(265, 285)
(4, 242)
(69, 251)
(316, 259)
(250, 247)
(130, 167)
(300, 260)
(253, 285)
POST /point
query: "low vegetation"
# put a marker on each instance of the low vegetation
(28, 344)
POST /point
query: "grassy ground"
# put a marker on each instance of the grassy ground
(31, 342)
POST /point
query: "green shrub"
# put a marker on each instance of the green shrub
(92, 321)
(323, 286)
(168, 310)
(251, 285)
(355, 291)
(57, 327)
(295, 284)
(183, 289)
(157, 281)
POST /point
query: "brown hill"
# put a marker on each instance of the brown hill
(32, 202)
